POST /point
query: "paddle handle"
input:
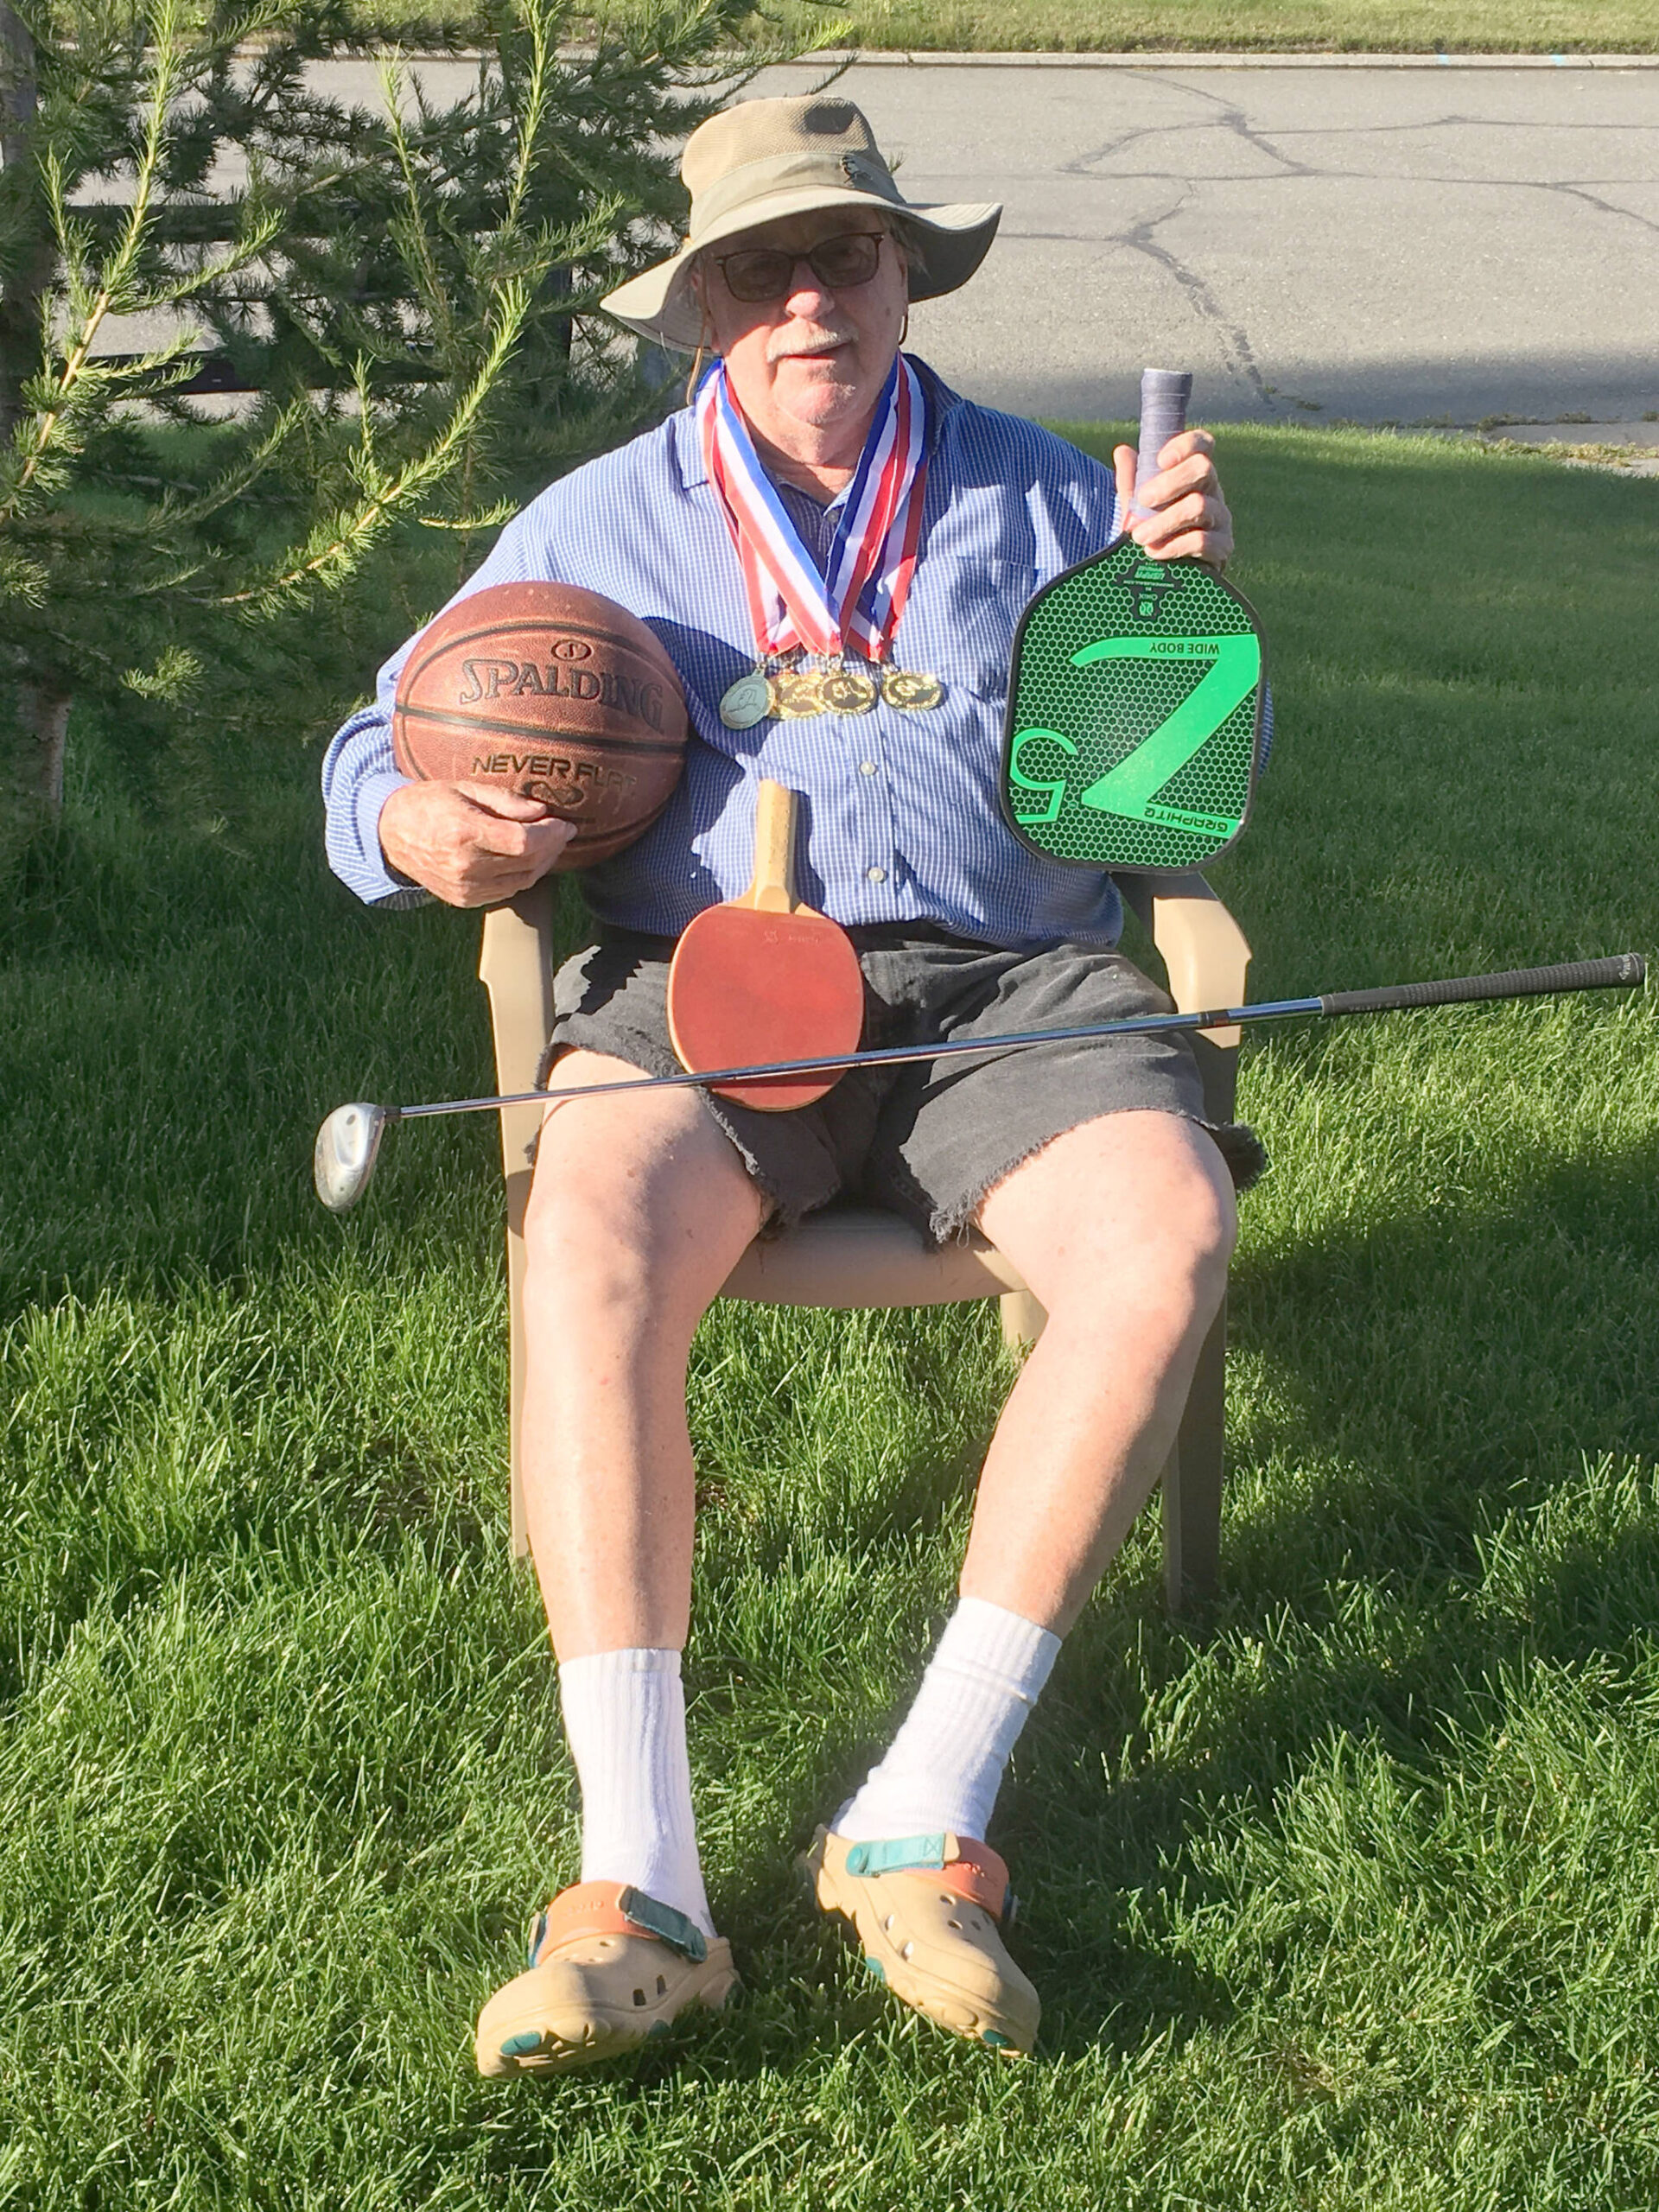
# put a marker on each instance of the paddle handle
(1164, 396)
(1621, 971)
(772, 890)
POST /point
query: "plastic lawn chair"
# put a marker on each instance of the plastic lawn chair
(851, 1255)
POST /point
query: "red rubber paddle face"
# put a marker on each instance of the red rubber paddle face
(748, 986)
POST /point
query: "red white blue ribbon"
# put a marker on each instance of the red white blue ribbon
(860, 600)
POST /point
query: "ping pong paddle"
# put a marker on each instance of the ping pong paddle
(1136, 699)
(765, 978)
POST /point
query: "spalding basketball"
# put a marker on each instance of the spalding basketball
(554, 692)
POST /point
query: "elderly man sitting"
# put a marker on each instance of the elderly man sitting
(867, 673)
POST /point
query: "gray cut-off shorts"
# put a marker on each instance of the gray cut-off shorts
(927, 1140)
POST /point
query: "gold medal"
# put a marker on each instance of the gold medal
(912, 691)
(797, 694)
(848, 692)
(746, 702)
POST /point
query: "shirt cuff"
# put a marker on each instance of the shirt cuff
(381, 884)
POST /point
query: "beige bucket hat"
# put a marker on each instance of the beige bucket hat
(763, 159)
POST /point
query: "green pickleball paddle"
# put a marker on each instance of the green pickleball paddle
(1134, 711)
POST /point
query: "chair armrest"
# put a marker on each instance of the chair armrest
(515, 965)
(1205, 952)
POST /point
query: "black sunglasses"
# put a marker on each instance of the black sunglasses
(755, 274)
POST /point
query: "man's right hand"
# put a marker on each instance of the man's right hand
(471, 844)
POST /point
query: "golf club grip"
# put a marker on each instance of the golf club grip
(1163, 395)
(1620, 971)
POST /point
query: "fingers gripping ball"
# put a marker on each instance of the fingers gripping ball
(553, 692)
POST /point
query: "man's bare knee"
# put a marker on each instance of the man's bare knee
(1204, 1223)
(1133, 1211)
(636, 1198)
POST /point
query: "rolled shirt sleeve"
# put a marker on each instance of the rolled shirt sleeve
(358, 777)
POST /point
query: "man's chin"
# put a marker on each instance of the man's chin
(819, 390)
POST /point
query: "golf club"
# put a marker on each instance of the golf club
(348, 1143)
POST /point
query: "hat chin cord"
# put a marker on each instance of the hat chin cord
(705, 343)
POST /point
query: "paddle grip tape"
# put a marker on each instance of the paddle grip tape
(1622, 972)
(1164, 396)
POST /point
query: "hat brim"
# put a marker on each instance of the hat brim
(952, 239)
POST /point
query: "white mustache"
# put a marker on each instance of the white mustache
(822, 342)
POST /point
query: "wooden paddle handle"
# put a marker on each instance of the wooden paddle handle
(772, 890)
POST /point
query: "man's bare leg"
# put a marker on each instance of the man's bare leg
(640, 1211)
(1123, 1228)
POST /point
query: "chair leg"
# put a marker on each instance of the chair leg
(1192, 1478)
(1022, 1320)
(517, 1199)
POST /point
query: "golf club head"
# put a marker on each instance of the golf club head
(348, 1144)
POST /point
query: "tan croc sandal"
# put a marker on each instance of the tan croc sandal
(608, 1966)
(929, 1910)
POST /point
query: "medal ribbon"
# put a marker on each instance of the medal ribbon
(872, 557)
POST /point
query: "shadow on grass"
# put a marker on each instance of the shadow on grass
(1358, 1595)
(1361, 1594)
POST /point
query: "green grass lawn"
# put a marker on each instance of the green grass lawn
(1342, 1894)
(1180, 26)
(1332, 26)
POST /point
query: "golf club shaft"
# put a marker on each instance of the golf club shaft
(1619, 971)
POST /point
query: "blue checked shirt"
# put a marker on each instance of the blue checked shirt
(901, 820)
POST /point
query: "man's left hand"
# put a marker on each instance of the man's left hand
(1190, 518)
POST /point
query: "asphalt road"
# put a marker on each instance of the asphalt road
(1319, 243)
(1377, 245)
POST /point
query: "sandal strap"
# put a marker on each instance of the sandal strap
(971, 1870)
(614, 1909)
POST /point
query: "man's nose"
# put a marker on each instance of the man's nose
(809, 299)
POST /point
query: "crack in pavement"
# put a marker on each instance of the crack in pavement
(1569, 188)
(1237, 353)
(1231, 118)
(1446, 121)
(1606, 207)
(1310, 153)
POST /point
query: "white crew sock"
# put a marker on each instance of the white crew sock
(625, 1716)
(946, 1764)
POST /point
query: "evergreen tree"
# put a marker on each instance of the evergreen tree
(405, 291)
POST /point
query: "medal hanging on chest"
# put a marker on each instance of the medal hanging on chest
(746, 702)
(848, 691)
(856, 604)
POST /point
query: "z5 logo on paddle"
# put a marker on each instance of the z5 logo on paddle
(1134, 714)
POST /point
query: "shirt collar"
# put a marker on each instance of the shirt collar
(688, 446)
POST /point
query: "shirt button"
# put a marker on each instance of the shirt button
(867, 767)
(876, 874)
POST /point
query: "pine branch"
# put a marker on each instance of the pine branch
(165, 23)
(348, 537)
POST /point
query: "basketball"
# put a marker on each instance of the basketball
(553, 692)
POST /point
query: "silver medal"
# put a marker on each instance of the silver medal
(746, 702)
